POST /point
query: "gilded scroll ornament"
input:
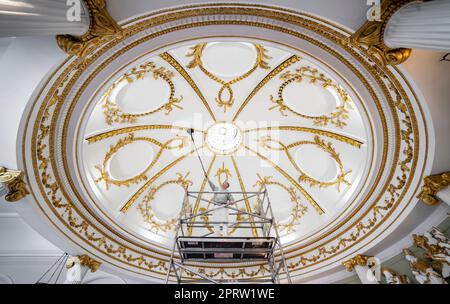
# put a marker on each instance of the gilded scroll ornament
(13, 180)
(370, 35)
(432, 185)
(337, 117)
(358, 260)
(225, 96)
(146, 210)
(113, 114)
(175, 143)
(83, 260)
(102, 28)
(297, 211)
(269, 143)
(87, 261)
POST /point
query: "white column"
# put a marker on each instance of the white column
(78, 267)
(365, 274)
(367, 268)
(42, 17)
(444, 195)
(423, 25)
(76, 271)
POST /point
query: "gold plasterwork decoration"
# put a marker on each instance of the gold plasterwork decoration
(227, 102)
(112, 112)
(297, 211)
(432, 185)
(176, 143)
(337, 117)
(370, 35)
(14, 181)
(269, 143)
(83, 260)
(358, 260)
(89, 262)
(102, 28)
(146, 210)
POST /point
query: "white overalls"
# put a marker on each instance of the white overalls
(220, 215)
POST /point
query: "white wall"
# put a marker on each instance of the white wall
(432, 77)
(24, 63)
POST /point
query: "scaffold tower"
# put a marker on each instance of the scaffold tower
(253, 238)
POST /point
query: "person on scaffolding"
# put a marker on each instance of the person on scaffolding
(220, 216)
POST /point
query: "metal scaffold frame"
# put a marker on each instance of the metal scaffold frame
(193, 246)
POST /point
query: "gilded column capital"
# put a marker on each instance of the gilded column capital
(370, 35)
(358, 260)
(102, 27)
(83, 260)
(13, 180)
(432, 185)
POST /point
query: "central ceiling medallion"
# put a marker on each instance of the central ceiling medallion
(223, 138)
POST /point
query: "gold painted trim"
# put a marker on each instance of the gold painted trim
(247, 202)
(141, 190)
(101, 136)
(308, 197)
(342, 138)
(282, 66)
(179, 68)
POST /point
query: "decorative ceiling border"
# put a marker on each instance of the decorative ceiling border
(52, 191)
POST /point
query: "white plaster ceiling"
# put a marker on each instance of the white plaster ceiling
(311, 176)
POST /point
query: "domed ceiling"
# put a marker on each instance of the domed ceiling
(263, 117)
(277, 99)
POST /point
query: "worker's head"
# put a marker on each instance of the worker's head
(225, 185)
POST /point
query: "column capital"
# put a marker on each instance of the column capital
(432, 185)
(83, 260)
(371, 34)
(358, 260)
(101, 28)
(13, 181)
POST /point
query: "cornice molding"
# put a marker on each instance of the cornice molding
(13, 181)
(371, 35)
(358, 260)
(102, 27)
(432, 185)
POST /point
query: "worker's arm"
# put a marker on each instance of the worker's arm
(230, 199)
(211, 184)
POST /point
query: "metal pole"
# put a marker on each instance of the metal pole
(176, 239)
(283, 259)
